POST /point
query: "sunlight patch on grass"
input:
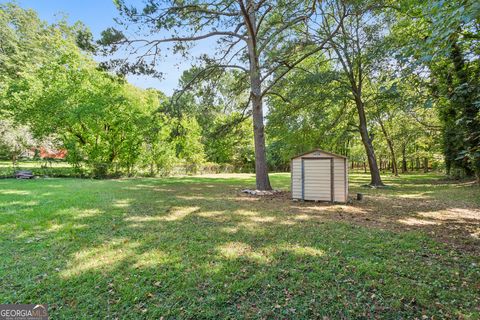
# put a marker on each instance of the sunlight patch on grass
(236, 250)
(123, 203)
(210, 214)
(136, 225)
(457, 214)
(30, 203)
(54, 227)
(287, 223)
(74, 212)
(103, 258)
(417, 222)
(302, 217)
(138, 187)
(152, 258)
(251, 226)
(55, 186)
(143, 186)
(230, 230)
(175, 213)
(179, 213)
(302, 250)
(246, 213)
(418, 195)
(192, 198)
(263, 219)
(355, 210)
(143, 219)
(7, 227)
(146, 187)
(88, 213)
(15, 192)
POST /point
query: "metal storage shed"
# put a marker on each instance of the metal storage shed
(320, 176)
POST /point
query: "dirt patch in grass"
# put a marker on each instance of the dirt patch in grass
(276, 195)
(456, 224)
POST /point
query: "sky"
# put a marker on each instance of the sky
(98, 15)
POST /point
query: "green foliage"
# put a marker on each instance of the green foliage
(158, 153)
(216, 102)
(22, 34)
(106, 125)
(418, 77)
(99, 119)
(314, 110)
(230, 144)
(188, 143)
(442, 37)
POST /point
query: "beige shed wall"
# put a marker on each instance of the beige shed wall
(297, 178)
(339, 178)
(317, 178)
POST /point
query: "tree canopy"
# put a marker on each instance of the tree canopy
(392, 85)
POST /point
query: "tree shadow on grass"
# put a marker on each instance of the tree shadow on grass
(152, 248)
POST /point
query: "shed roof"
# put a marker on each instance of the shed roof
(319, 150)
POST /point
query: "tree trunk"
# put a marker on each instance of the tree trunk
(14, 159)
(261, 169)
(390, 147)
(376, 180)
(425, 164)
(404, 159)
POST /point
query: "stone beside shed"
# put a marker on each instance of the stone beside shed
(319, 176)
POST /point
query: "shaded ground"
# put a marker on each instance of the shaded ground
(195, 248)
(447, 210)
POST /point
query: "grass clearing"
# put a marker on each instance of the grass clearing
(193, 247)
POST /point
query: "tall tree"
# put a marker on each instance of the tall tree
(355, 48)
(442, 37)
(256, 37)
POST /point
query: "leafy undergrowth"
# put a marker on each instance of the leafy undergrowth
(40, 168)
(196, 248)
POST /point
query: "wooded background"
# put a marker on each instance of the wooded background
(393, 85)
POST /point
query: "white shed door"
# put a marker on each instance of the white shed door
(317, 179)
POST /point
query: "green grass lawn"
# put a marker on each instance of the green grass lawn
(196, 248)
